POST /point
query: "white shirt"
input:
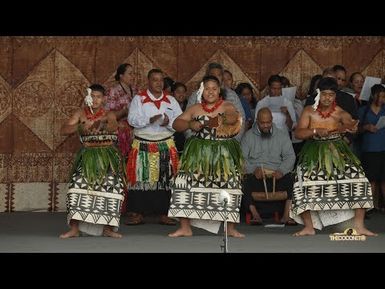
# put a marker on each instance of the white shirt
(140, 113)
(274, 104)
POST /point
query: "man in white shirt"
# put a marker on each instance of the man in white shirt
(153, 159)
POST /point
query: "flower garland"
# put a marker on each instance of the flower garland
(216, 105)
(327, 113)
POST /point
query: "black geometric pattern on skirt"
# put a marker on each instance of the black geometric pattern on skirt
(206, 132)
(350, 190)
(100, 204)
(195, 197)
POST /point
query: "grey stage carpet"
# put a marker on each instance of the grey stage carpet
(38, 232)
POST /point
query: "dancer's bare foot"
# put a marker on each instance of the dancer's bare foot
(181, 233)
(234, 233)
(70, 234)
(112, 234)
(305, 232)
(364, 231)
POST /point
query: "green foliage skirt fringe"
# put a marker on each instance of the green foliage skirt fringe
(212, 157)
(96, 162)
(330, 156)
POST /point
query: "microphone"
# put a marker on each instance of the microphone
(224, 197)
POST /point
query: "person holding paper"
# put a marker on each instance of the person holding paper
(153, 158)
(372, 119)
(281, 108)
(330, 185)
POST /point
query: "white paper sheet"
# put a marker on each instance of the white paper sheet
(289, 93)
(381, 123)
(369, 82)
(275, 104)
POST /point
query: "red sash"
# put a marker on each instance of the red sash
(157, 102)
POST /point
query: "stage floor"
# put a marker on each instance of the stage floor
(38, 232)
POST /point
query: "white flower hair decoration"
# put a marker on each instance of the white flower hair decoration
(200, 92)
(88, 99)
(316, 99)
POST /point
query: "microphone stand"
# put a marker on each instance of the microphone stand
(224, 246)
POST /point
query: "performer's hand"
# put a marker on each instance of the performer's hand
(103, 125)
(258, 173)
(352, 128)
(155, 118)
(195, 125)
(112, 125)
(166, 120)
(86, 125)
(277, 175)
(322, 132)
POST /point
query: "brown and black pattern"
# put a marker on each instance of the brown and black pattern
(42, 81)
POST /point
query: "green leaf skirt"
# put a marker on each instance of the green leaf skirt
(97, 162)
(330, 156)
(212, 157)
